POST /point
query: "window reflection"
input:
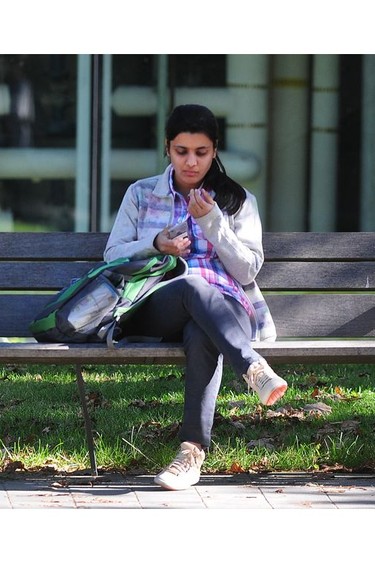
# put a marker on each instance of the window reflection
(76, 130)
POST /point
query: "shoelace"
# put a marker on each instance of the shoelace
(255, 372)
(183, 461)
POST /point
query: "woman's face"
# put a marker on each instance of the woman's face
(191, 155)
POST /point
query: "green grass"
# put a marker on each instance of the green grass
(136, 413)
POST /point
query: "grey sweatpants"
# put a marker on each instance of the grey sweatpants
(211, 326)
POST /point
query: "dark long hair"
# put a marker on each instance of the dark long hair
(194, 118)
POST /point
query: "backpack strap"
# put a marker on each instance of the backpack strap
(109, 337)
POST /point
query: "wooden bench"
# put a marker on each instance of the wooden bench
(320, 288)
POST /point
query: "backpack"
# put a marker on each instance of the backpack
(93, 308)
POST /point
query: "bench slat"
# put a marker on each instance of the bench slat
(319, 246)
(287, 276)
(296, 316)
(44, 246)
(41, 275)
(277, 246)
(332, 351)
(327, 315)
(284, 276)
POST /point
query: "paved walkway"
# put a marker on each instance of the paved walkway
(205, 532)
(273, 491)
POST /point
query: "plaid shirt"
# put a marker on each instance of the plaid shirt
(148, 207)
(203, 260)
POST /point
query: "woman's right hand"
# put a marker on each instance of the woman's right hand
(178, 246)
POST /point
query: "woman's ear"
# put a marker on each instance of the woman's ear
(215, 149)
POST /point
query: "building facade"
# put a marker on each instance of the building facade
(297, 130)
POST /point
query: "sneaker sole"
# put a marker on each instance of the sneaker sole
(275, 395)
(177, 487)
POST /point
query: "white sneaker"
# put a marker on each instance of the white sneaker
(262, 379)
(184, 470)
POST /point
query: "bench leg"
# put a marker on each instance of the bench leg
(86, 416)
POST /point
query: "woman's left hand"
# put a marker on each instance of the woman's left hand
(200, 203)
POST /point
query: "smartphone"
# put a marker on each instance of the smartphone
(181, 229)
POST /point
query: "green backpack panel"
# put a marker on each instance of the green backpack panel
(92, 308)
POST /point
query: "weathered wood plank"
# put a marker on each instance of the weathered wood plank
(41, 275)
(326, 315)
(92, 353)
(307, 352)
(42, 246)
(18, 311)
(277, 246)
(310, 276)
(333, 351)
(319, 246)
(296, 316)
(273, 276)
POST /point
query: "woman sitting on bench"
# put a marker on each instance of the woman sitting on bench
(217, 309)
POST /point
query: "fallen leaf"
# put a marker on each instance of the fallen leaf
(236, 404)
(236, 468)
(95, 399)
(144, 404)
(274, 414)
(312, 380)
(318, 408)
(326, 430)
(261, 443)
(350, 425)
(12, 466)
(286, 412)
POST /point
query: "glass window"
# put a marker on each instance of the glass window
(298, 131)
(38, 106)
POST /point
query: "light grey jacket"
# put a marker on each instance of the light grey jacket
(148, 207)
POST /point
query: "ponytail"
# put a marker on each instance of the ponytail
(229, 194)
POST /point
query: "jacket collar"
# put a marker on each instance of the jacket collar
(162, 188)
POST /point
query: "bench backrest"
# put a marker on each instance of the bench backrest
(316, 284)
